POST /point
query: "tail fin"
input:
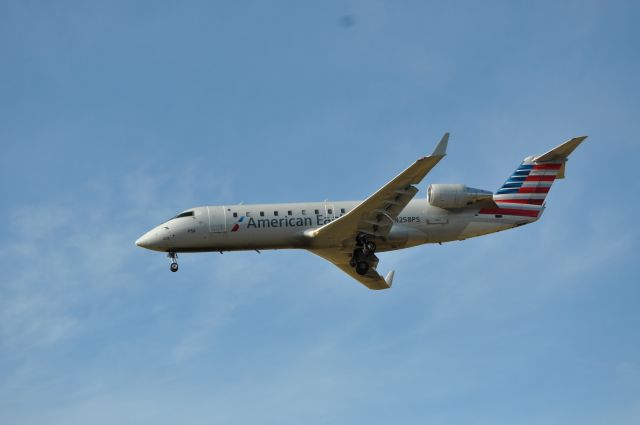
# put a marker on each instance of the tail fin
(524, 193)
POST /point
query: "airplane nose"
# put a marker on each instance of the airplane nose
(149, 240)
(156, 239)
(143, 241)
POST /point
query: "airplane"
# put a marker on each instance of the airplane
(350, 233)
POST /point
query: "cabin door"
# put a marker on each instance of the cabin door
(217, 219)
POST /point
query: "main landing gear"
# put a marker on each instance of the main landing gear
(174, 261)
(368, 247)
(362, 267)
(363, 257)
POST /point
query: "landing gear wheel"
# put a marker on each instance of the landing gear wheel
(369, 248)
(174, 261)
(352, 262)
(362, 267)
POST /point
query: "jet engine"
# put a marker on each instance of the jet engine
(449, 196)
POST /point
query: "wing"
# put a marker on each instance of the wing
(375, 215)
(371, 279)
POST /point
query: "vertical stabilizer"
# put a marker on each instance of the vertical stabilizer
(524, 192)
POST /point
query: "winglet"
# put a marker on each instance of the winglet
(441, 149)
(389, 278)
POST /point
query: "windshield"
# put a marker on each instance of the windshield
(185, 214)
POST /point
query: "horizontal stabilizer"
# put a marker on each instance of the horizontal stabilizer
(561, 152)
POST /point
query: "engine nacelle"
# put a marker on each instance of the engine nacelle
(449, 196)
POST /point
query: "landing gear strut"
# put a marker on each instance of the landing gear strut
(174, 261)
(368, 247)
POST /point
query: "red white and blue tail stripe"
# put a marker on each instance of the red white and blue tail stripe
(524, 193)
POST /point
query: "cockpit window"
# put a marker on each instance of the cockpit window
(185, 214)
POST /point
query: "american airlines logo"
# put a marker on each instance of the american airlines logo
(237, 225)
(266, 223)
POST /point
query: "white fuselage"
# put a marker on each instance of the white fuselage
(350, 233)
(283, 226)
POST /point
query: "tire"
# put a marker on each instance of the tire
(173, 267)
(369, 248)
(362, 267)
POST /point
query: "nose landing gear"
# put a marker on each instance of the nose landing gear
(174, 261)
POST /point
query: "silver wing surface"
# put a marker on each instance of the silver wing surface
(373, 218)
(341, 259)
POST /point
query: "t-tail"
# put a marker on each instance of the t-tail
(524, 193)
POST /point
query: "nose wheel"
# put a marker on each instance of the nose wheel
(174, 261)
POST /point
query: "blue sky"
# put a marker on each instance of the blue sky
(116, 115)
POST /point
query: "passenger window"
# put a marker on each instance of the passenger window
(289, 212)
(275, 213)
(317, 211)
(304, 212)
(235, 214)
(342, 210)
(248, 214)
(261, 213)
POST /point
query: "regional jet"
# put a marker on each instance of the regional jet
(350, 233)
